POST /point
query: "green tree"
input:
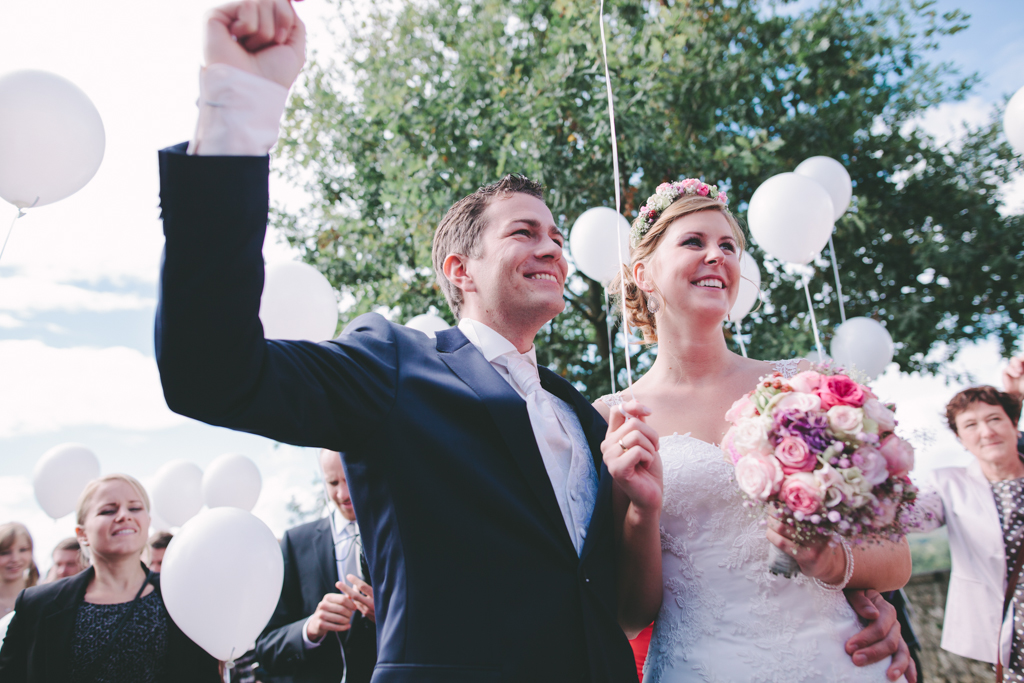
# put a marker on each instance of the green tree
(427, 101)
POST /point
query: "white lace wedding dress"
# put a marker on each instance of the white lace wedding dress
(724, 617)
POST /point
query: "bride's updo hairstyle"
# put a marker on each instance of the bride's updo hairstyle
(648, 231)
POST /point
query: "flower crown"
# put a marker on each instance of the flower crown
(663, 196)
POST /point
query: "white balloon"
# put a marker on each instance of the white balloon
(790, 216)
(750, 288)
(592, 243)
(428, 323)
(834, 177)
(1013, 121)
(178, 491)
(51, 138)
(813, 357)
(232, 480)
(298, 303)
(60, 475)
(863, 344)
(221, 579)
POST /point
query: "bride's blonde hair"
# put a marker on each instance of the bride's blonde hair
(637, 312)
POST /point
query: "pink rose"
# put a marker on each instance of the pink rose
(899, 455)
(840, 390)
(742, 407)
(878, 412)
(805, 382)
(795, 400)
(690, 183)
(872, 464)
(723, 198)
(845, 420)
(801, 493)
(703, 190)
(758, 475)
(794, 455)
(665, 188)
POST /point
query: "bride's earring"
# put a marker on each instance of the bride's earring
(653, 305)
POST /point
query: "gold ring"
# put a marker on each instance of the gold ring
(622, 446)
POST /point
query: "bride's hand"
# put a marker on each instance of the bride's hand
(630, 450)
(822, 560)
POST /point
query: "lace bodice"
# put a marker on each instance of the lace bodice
(724, 617)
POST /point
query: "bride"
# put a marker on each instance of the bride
(723, 616)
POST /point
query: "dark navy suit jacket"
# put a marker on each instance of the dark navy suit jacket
(310, 572)
(475, 576)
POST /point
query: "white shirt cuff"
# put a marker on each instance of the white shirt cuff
(308, 644)
(239, 113)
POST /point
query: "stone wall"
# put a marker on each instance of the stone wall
(927, 594)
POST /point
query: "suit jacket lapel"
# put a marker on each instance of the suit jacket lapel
(323, 547)
(508, 410)
(59, 626)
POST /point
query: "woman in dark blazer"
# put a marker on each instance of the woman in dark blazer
(107, 624)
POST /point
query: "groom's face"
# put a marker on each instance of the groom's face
(519, 273)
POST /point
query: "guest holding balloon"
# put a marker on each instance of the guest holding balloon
(982, 506)
(107, 623)
(17, 568)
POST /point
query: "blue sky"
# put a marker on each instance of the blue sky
(78, 279)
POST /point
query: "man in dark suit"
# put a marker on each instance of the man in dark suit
(318, 632)
(486, 508)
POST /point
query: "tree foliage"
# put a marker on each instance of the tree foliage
(427, 100)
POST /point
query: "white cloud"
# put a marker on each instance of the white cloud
(950, 120)
(23, 294)
(7, 321)
(47, 389)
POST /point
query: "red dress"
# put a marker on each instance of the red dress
(640, 645)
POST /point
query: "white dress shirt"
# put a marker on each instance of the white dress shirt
(563, 445)
(347, 548)
(239, 113)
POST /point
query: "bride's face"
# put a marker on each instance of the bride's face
(696, 268)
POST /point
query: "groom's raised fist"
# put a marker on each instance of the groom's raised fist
(263, 37)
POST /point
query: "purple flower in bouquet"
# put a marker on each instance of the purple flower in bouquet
(812, 428)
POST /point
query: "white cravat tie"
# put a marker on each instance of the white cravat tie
(346, 551)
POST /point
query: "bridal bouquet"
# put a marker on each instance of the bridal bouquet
(820, 449)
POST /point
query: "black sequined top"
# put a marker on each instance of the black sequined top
(139, 655)
(1009, 497)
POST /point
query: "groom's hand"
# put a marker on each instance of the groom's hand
(264, 37)
(630, 450)
(881, 638)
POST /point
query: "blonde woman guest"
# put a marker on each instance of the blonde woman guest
(720, 615)
(108, 623)
(17, 569)
(982, 505)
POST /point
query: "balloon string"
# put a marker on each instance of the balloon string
(618, 199)
(229, 664)
(814, 321)
(739, 338)
(839, 287)
(611, 338)
(21, 212)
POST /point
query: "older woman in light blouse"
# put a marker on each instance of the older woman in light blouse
(982, 505)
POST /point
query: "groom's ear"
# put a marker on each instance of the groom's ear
(456, 269)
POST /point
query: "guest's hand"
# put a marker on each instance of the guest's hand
(334, 613)
(881, 638)
(361, 594)
(263, 37)
(630, 450)
(821, 559)
(1013, 376)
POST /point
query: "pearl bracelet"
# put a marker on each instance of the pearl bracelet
(847, 575)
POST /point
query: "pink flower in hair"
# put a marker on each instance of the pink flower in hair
(689, 183)
(703, 190)
(664, 188)
(722, 198)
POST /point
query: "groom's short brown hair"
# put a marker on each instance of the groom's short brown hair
(459, 230)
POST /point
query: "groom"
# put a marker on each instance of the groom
(485, 507)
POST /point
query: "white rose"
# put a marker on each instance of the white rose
(659, 202)
(833, 485)
(845, 419)
(758, 475)
(751, 434)
(877, 411)
(795, 400)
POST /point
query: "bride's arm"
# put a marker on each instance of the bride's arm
(630, 451)
(883, 565)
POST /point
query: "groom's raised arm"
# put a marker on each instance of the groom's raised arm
(214, 363)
